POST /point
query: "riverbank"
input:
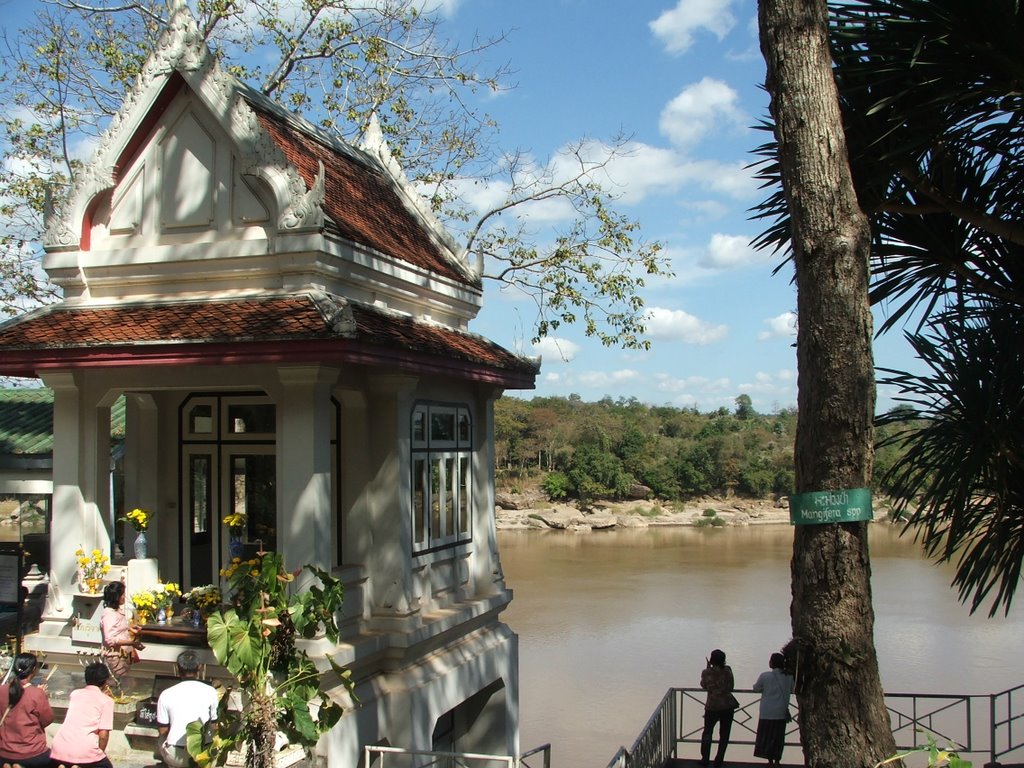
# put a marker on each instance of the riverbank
(522, 511)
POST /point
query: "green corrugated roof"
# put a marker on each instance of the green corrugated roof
(26, 421)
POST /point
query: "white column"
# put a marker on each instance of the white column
(486, 577)
(389, 500)
(354, 472)
(81, 483)
(304, 413)
(67, 529)
(141, 477)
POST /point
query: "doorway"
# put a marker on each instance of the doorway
(228, 467)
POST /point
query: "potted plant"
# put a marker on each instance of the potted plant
(254, 639)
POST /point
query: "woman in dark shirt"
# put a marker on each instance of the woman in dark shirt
(717, 680)
(26, 713)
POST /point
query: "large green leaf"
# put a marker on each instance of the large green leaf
(238, 644)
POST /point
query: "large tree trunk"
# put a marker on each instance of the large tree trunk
(843, 717)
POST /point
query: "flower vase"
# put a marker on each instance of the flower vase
(141, 546)
(92, 586)
(161, 616)
(197, 618)
(235, 546)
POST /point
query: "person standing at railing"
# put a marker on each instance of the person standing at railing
(775, 687)
(717, 680)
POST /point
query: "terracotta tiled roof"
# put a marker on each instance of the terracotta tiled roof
(361, 200)
(328, 329)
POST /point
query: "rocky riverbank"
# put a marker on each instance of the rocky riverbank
(522, 511)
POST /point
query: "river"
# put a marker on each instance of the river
(608, 621)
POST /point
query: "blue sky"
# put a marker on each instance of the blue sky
(682, 78)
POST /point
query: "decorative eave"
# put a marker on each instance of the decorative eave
(302, 327)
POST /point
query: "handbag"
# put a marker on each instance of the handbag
(733, 702)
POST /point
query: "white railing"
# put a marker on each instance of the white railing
(395, 757)
(979, 724)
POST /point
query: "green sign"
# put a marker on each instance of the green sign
(845, 506)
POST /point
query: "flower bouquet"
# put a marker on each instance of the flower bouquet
(137, 519)
(202, 601)
(157, 602)
(236, 529)
(92, 568)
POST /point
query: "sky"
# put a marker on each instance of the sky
(683, 79)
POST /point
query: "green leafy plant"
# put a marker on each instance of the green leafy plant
(254, 639)
(937, 758)
(709, 513)
(557, 486)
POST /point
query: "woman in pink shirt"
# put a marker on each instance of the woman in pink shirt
(120, 639)
(26, 713)
(82, 738)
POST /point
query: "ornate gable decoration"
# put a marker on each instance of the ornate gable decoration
(181, 49)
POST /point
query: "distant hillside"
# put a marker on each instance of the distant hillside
(624, 449)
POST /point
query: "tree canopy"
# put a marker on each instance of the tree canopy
(339, 63)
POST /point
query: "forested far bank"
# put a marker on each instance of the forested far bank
(620, 449)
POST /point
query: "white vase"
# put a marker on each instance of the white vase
(141, 546)
(161, 616)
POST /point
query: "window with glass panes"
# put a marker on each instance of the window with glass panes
(442, 450)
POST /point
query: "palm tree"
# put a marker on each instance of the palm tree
(932, 98)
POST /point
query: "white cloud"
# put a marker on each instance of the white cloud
(779, 386)
(555, 350)
(731, 251)
(676, 27)
(644, 170)
(480, 195)
(698, 110)
(445, 8)
(676, 385)
(706, 209)
(677, 325)
(599, 379)
(637, 171)
(779, 327)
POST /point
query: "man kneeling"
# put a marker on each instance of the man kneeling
(181, 704)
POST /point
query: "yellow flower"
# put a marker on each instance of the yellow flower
(91, 566)
(137, 518)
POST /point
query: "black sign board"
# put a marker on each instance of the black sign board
(12, 559)
(145, 710)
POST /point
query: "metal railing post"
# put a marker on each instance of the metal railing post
(992, 729)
